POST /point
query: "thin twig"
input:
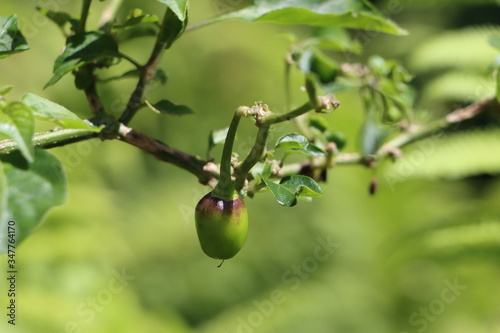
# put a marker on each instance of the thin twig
(165, 153)
(253, 157)
(147, 73)
(93, 98)
(83, 17)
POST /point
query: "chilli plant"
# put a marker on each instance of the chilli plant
(32, 180)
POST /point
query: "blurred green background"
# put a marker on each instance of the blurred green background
(421, 255)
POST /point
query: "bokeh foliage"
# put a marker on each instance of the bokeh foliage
(126, 211)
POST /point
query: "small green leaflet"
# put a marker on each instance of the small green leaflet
(172, 28)
(83, 49)
(5, 89)
(27, 192)
(44, 109)
(11, 39)
(313, 61)
(291, 187)
(261, 170)
(299, 143)
(216, 137)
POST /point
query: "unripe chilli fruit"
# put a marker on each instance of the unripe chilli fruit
(221, 225)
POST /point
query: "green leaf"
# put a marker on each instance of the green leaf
(17, 122)
(83, 49)
(312, 150)
(391, 81)
(318, 123)
(338, 138)
(44, 109)
(217, 137)
(11, 39)
(173, 27)
(167, 107)
(179, 7)
(356, 14)
(298, 143)
(261, 170)
(303, 185)
(292, 141)
(29, 192)
(313, 61)
(291, 187)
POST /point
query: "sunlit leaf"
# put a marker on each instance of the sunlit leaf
(261, 170)
(44, 109)
(18, 123)
(357, 14)
(292, 140)
(217, 137)
(298, 143)
(11, 39)
(30, 191)
(291, 187)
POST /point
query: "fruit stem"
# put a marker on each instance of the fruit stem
(225, 188)
(253, 157)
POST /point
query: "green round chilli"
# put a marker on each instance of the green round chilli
(222, 226)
